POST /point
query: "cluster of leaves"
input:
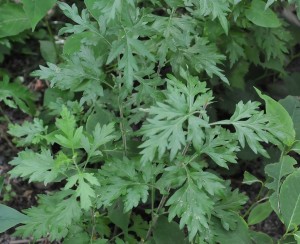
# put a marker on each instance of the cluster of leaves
(127, 133)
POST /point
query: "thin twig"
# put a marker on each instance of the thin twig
(154, 220)
(3, 135)
(5, 116)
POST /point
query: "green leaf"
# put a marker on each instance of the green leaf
(10, 217)
(250, 179)
(238, 73)
(275, 47)
(74, 42)
(165, 129)
(280, 120)
(77, 234)
(13, 20)
(239, 235)
(14, 95)
(130, 48)
(38, 167)
(83, 22)
(108, 10)
(297, 236)
(277, 171)
(290, 201)
(192, 206)
(259, 237)
(29, 132)
(36, 10)
(140, 226)
(166, 232)
(251, 126)
(69, 136)
(229, 206)
(48, 51)
(221, 146)
(84, 190)
(118, 217)
(296, 147)
(53, 217)
(124, 179)
(259, 15)
(101, 136)
(269, 3)
(100, 116)
(79, 73)
(203, 56)
(292, 106)
(217, 9)
(259, 213)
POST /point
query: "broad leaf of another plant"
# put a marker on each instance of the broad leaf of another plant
(280, 121)
(36, 10)
(260, 237)
(239, 235)
(10, 217)
(259, 213)
(277, 171)
(250, 179)
(13, 20)
(259, 15)
(48, 51)
(292, 106)
(290, 200)
(296, 147)
(166, 232)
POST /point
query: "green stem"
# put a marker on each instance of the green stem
(163, 201)
(253, 205)
(74, 161)
(115, 236)
(93, 224)
(156, 215)
(152, 198)
(122, 127)
(52, 38)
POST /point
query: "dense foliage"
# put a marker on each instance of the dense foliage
(130, 131)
